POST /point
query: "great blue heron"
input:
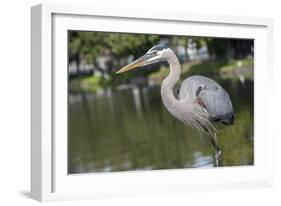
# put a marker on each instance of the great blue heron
(201, 101)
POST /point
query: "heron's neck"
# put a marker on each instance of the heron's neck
(168, 97)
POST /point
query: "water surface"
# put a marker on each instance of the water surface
(129, 129)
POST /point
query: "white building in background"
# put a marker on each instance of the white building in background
(72, 68)
(195, 54)
(204, 53)
(83, 69)
(100, 68)
(103, 62)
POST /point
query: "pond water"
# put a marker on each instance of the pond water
(130, 129)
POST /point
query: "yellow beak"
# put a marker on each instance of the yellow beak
(137, 63)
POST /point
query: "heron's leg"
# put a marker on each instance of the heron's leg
(217, 155)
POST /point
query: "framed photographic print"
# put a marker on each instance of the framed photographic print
(138, 102)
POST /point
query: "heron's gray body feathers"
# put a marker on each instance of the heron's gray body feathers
(209, 95)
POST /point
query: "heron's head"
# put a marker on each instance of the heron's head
(155, 54)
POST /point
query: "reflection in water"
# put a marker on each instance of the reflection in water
(202, 161)
(137, 99)
(129, 129)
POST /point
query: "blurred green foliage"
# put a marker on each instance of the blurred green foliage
(120, 48)
(91, 45)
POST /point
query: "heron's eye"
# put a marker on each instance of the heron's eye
(154, 53)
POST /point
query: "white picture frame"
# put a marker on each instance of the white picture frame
(49, 178)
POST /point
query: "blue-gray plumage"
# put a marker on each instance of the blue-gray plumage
(201, 101)
(209, 95)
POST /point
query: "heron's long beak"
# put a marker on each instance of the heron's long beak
(137, 63)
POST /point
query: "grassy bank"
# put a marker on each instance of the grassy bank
(228, 70)
(89, 83)
(224, 69)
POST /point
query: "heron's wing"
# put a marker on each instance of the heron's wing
(217, 103)
(209, 95)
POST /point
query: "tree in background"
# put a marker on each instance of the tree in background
(88, 46)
